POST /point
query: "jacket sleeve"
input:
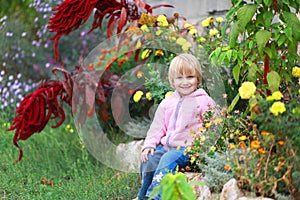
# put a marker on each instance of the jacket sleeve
(157, 129)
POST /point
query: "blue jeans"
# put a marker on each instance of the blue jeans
(161, 163)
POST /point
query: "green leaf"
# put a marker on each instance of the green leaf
(236, 73)
(268, 2)
(234, 33)
(292, 21)
(281, 40)
(268, 18)
(229, 54)
(262, 37)
(245, 14)
(252, 69)
(273, 81)
(233, 103)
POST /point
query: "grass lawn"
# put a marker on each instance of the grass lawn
(56, 165)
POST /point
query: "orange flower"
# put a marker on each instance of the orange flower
(242, 145)
(227, 167)
(261, 150)
(280, 142)
(265, 133)
(255, 144)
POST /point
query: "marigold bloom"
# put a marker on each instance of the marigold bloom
(148, 96)
(255, 144)
(219, 19)
(186, 46)
(146, 53)
(168, 94)
(145, 28)
(139, 74)
(280, 142)
(277, 95)
(137, 96)
(213, 32)
(277, 107)
(201, 40)
(207, 125)
(242, 145)
(188, 26)
(242, 138)
(193, 31)
(181, 41)
(265, 133)
(205, 23)
(201, 129)
(158, 32)
(296, 72)
(247, 90)
(159, 52)
(261, 150)
(232, 146)
(227, 167)
(162, 19)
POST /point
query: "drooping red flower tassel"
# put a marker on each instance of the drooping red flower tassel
(69, 16)
(35, 110)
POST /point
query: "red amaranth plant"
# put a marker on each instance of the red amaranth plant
(46, 103)
(71, 14)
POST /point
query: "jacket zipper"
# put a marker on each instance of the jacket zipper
(175, 118)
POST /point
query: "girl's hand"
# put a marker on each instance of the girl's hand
(145, 152)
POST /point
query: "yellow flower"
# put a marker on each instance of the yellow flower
(71, 130)
(146, 53)
(232, 146)
(207, 125)
(277, 107)
(201, 39)
(148, 96)
(145, 28)
(193, 31)
(277, 95)
(159, 52)
(186, 46)
(247, 90)
(138, 44)
(296, 72)
(181, 41)
(213, 32)
(193, 158)
(213, 148)
(168, 94)
(137, 96)
(201, 129)
(218, 121)
(158, 32)
(270, 98)
(162, 19)
(205, 23)
(242, 138)
(139, 74)
(219, 19)
(188, 26)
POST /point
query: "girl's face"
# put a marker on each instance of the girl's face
(185, 84)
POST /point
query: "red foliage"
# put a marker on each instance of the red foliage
(35, 110)
(71, 14)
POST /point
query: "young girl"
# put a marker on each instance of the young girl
(175, 118)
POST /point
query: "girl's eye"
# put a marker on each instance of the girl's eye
(191, 77)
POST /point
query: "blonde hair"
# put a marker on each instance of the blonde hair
(184, 64)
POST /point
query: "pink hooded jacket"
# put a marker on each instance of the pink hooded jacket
(175, 118)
